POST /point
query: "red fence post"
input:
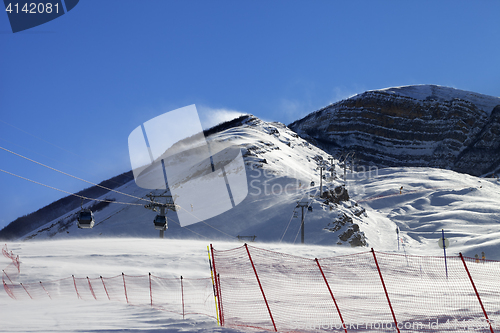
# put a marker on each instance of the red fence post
(91, 289)
(385, 289)
(221, 305)
(7, 276)
(125, 287)
(260, 286)
(17, 263)
(26, 290)
(106, 290)
(182, 295)
(331, 294)
(45, 289)
(477, 294)
(74, 283)
(150, 290)
(217, 288)
(8, 291)
(213, 286)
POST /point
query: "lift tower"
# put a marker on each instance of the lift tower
(160, 220)
(302, 204)
(332, 167)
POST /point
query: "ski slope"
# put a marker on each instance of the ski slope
(51, 260)
(431, 200)
(279, 169)
(466, 207)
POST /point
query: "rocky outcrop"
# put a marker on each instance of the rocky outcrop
(344, 225)
(350, 232)
(484, 153)
(389, 128)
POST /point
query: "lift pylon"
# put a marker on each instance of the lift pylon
(160, 221)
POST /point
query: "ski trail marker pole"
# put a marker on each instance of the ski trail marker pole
(444, 243)
(397, 233)
(213, 284)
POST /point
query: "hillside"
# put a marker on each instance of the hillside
(423, 201)
(27, 223)
(279, 169)
(424, 126)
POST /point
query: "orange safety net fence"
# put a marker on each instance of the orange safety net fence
(369, 291)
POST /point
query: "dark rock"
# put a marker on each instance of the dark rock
(346, 235)
(336, 195)
(358, 239)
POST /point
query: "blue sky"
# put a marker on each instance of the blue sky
(73, 89)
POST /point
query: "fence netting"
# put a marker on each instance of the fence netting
(266, 290)
(183, 296)
(369, 291)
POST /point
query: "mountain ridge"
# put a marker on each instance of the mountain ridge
(425, 125)
(436, 92)
(279, 168)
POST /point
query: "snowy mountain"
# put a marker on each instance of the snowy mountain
(364, 210)
(279, 167)
(422, 125)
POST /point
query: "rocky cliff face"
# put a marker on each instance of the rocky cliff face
(411, 126)
(484, 152)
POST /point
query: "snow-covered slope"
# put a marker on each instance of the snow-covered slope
(279, 169)
(466, 207)
(53, 260)
(420, 201)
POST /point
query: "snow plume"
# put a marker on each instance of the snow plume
(210, 117)
(294, 109)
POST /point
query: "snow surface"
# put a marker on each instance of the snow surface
(442, 93)
(466, 207)
(44, 261)
(431, 199)
(50, 260)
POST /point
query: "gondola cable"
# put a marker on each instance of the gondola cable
(69, 175)
(73, 194)
(103, 187)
